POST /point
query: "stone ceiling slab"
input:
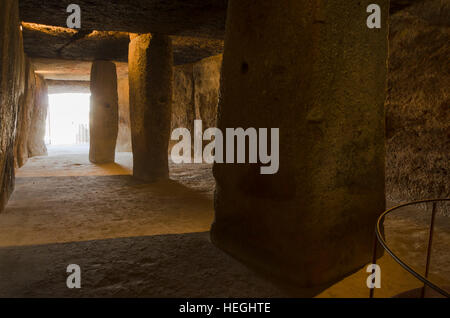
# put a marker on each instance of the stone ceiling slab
(42, 41)
(70, 70)
(197, 27)
(197, 18)
(64, 87)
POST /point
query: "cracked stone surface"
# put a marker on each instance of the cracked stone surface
(417, 108)
(199, 18)
(43, 41)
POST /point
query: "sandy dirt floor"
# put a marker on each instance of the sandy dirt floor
(133, 239)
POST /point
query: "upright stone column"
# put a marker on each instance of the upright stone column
(314, 70)
(104, 112)
(150, 65)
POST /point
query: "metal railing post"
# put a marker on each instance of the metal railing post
(381, 240)
(429, 247)
(374, 261)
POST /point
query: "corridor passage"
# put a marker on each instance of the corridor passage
(136, 239)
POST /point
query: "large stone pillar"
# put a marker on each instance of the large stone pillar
(150, 65)
(104, 112)
(314, 70)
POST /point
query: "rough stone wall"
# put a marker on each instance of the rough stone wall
(207, 81)
(183, 109)
(36, 143)
(183, 104)
(124, 136)
(195, 96)
(196, 93)
(31, 119)
(11, 91)
(417, 108)
(25, 113)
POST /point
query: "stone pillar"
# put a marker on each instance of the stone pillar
(315, 71)
(150, 65)
(104, 112)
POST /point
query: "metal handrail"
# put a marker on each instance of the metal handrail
(409, 268)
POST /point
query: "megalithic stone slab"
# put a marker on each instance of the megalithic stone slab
(150, 76)
(104, 112)
(12, 88)
(24, 118)
(36, 140)
(314, 70)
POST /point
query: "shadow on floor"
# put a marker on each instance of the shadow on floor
(46, 210)
(180, 265)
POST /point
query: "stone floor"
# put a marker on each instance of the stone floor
(134, 239)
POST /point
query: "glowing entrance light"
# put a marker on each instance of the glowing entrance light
(68, 119)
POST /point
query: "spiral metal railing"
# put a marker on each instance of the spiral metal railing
(381, 240)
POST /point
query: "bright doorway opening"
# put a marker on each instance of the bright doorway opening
(68, 119)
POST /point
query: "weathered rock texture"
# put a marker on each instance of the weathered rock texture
(65, 43)
(191, 50)
(397, 5)
(150, 75)
(31, 120)
(201, 18)
(12, 70)
(25, 113)
(316, 72)
(124, 136)
(36, 142)
(206, 82)
(87, 45)
(196, 94)
(417, 108)
(70, 70)
(104, 112)
(183, 102)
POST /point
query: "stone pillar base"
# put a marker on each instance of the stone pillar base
(104, 118)
(314, 70)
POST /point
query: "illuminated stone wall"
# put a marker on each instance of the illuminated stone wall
(12, 83)
(417, 108)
